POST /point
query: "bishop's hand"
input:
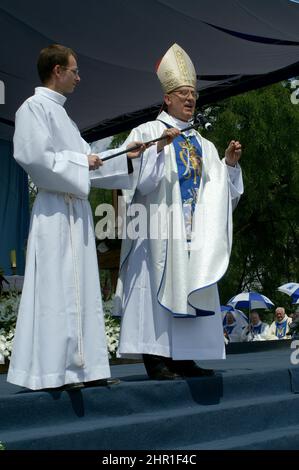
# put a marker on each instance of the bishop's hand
(136, 152)
(233, 153)
(170, 135)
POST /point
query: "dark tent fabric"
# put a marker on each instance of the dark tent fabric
(235, 45)
(14, 210)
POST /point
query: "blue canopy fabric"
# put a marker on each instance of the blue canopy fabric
(14, 210)
(236, 45)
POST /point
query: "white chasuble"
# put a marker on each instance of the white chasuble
(167, 290)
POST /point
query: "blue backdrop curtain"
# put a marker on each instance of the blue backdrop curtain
(14, 210)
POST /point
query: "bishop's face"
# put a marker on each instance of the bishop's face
(181, 103)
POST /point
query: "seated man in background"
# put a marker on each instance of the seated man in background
(232, 329)
(256, 330)
(279, 329)
(294, 326)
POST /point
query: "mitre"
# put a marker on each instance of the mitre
(176, 69)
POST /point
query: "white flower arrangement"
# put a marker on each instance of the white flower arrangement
(112, 328)
(9, 306)
(6, 340)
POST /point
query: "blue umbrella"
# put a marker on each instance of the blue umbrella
(250, 300)
(292, 289)
(226, 308)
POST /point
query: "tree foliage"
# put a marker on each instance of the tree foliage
(266, 233)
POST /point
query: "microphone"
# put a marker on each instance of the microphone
(203, 122)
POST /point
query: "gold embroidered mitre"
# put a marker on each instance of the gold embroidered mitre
(176, 69)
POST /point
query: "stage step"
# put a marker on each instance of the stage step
(249, 404)
(138, 396)
(196, 426)
(285, 438)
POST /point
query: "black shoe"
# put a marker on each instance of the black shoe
(164, 374)
(74, 386)
(157, 369)
(66, 387)
(191, 369)
(101, 383)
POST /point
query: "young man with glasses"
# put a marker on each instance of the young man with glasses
(60, 334)
(167, 290)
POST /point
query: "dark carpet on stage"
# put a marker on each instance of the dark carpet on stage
(251, 403)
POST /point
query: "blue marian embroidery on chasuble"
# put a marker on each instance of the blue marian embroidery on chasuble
(281, 329)
(189, 162)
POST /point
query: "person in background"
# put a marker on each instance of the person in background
(294, 326)
(279, 328)
(232, 329)
(256, 330)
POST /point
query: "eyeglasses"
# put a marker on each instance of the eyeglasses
(74, 71)
(185, 93)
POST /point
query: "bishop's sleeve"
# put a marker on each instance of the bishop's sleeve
(152, 170)
(236, 183)
(65, 171)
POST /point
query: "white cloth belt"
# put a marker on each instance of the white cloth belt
(60, 193)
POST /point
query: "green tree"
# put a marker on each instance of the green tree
(266, 234)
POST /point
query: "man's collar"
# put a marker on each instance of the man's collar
(174, 122)
(283, 320)
(51, 94)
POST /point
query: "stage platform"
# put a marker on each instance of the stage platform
(251, 403)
